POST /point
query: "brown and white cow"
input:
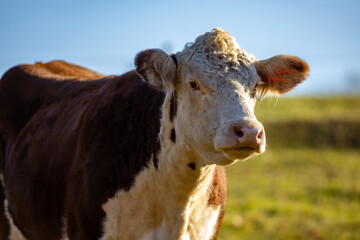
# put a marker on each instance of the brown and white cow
(137, 156)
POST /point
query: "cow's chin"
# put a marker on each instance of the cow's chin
(229, 157)
(240, 155)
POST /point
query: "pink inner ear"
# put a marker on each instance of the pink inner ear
(274, 79)
(278, 76)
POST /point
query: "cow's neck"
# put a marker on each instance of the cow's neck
(168, 201)
(183, 181)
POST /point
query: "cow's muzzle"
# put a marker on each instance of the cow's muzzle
(240, 140)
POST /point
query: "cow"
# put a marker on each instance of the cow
(136, 156)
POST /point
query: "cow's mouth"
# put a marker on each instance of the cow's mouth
(246, 149)
(241, 153)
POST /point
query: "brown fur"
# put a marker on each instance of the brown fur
(65, 140)
(281, 73)
(61, 126)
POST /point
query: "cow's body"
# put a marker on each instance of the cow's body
(137, 156)
(90, 146)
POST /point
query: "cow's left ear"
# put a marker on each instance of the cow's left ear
(157, 68)
(281, 73)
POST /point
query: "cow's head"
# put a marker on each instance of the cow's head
(212, 87)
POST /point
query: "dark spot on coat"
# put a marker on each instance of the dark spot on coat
(173, 135)
(192, 166)
(173, 106)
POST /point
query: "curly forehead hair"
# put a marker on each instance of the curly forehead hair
(217, 49)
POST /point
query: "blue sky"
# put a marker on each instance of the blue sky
(106, 35)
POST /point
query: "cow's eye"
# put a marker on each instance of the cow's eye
(194, 85)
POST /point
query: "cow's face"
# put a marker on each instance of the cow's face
(214, 85)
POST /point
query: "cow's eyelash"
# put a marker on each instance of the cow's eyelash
(254, 91)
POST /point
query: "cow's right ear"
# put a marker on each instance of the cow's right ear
(157, 68)
(281, 73)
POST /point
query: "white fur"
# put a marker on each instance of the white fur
(226, 78)
(15, 233)
(64, 230)
(163, 206)
(157, 233)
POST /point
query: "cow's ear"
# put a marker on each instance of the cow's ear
(281, 73)
(157, 68)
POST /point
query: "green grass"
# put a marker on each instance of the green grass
(311, 109)
(297, 190)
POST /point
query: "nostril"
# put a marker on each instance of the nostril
(238, 132)
(260, 134)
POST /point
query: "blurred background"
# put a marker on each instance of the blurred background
(307, 184)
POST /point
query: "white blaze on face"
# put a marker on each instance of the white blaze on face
(216, 84)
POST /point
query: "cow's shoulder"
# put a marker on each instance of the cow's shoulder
(98, 133)
(118, 138)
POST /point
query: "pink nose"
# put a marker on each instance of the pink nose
(249, 136)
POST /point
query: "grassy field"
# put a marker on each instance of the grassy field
(307, 184)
